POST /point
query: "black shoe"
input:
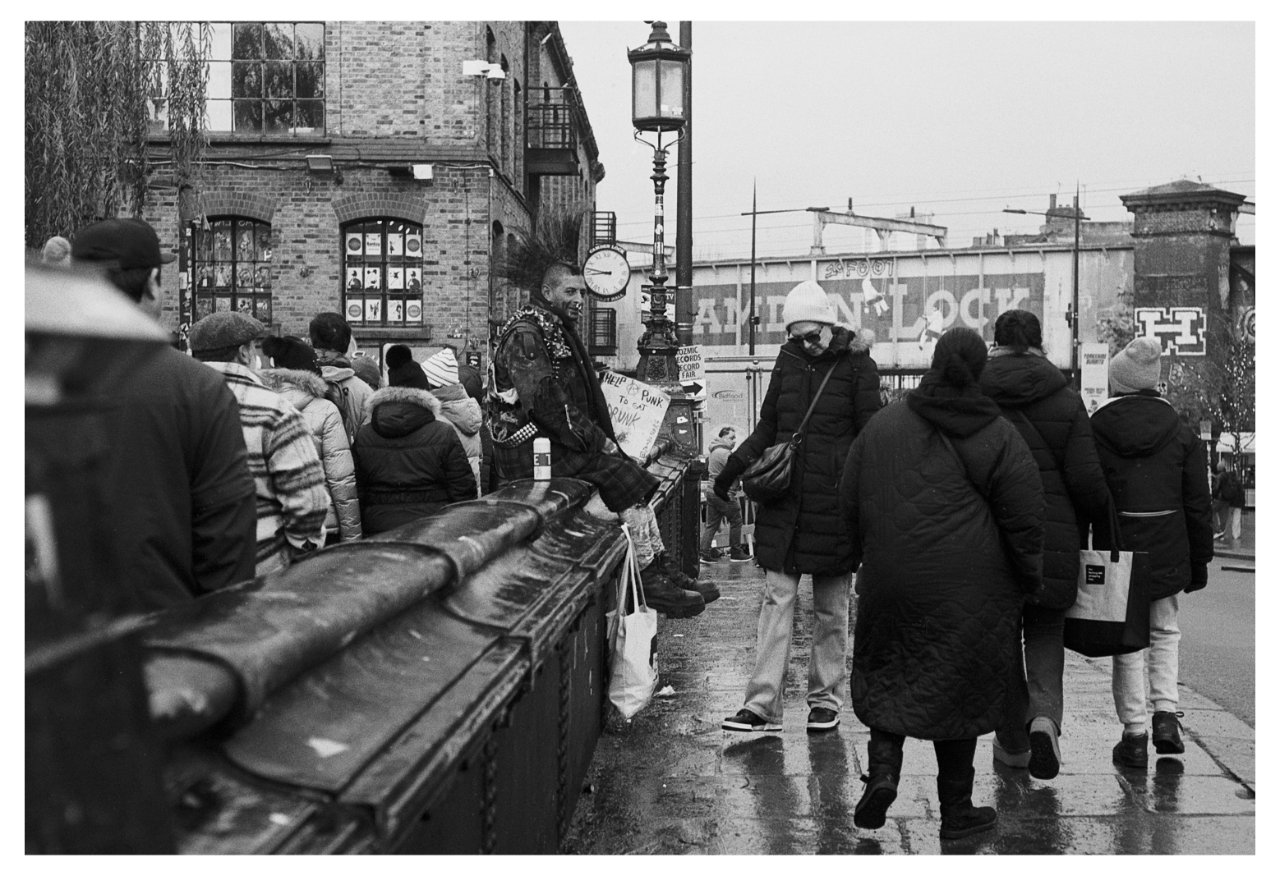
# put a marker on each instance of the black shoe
(1164, 733)
(877, 797)
(740, 555)
(959, 816)
(822, 719)
(1045, 757)
(709, 557)
(1131, 751)
(664, 597)
(748, 720)
(706, 589)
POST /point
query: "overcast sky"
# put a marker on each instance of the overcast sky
(958, 119)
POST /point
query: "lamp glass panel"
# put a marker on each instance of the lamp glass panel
(644, 89)
(671, 91)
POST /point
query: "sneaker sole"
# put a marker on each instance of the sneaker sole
(1044, 760)
(873, 812)
(766, 727)
(741, 560)
(822, 726)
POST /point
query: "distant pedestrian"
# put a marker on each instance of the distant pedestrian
(299, 381)
(333, 342)
(456, 405)
(1034, 396)
(409, 461)
(288, 476)
(719, 510)
(1228, 504)
(946, 509)
(1155, 467)
(802, 533)
(181, 515)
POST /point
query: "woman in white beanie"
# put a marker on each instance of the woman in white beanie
(1155, 467)
(461, 410)
(803, 532)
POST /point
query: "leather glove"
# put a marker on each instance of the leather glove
(1199, 578)
(733, 469)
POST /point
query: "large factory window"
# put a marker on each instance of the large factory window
(231, 267)
(382, 272)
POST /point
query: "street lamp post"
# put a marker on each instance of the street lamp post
(659, 69)
(1073, 309)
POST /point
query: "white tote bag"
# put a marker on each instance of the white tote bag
(633, 641)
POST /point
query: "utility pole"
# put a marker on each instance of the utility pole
(751, 318)
(684, 207)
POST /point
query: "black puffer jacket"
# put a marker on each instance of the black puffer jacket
(409, 463)
(1156, 469)
(803, 532)
(944, 569)
(1034, 396)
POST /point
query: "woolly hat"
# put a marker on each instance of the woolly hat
(1135, 367)
(367, 370)
(226, 328)
(56, 252)
(442, 368)
(402, 370)
(290, 352)
(807, 302)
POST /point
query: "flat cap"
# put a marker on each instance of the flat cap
(226, 328)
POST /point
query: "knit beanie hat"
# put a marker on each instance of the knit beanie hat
(290, 352)
(402, 370)
(367, 370)
(442, 368)
(1135, 367)
(807, 302)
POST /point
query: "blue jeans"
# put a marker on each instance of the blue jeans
(1041, 656)
(718, 511)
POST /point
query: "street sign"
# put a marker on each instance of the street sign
(1093, 375)
(693, 376)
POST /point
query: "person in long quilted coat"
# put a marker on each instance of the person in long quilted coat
(1034, 396)
(946, 509)
(802, 533)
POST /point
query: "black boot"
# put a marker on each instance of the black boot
(709, 591)
(955, 799)
(664, 597)
(884, 766)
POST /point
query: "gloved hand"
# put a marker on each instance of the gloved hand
(733, 469)
(1199, 578)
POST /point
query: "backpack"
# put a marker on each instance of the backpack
(340, 395)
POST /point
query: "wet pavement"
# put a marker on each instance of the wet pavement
(670, 781)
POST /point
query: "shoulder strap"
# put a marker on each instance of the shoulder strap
(813, 404)
(955, 454)
(1059, 461)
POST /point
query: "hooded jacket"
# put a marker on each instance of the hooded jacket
(717, 455)
(463, 413)
(1034, 396)
(802, 532)
(335, 367)
(306, 391)
(1155, 467)
(950, 538)
(409, 462)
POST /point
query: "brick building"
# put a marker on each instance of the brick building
(377, 169)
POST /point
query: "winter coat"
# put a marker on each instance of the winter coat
(463, 413)
(802, 532)
(717, 456)
(306, 391)
(357, 393)
(409, 461)
(950, 542)
(1155, 466)
(1034, 396)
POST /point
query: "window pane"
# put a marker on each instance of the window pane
(219, 86)
(277, 40)
(309, 42)
(277, 79)
(220, 41)
(219, 112)
(246, 79)
(278, 116)
(672, 90)
(310, 78)
(248, 115)
(310, 116)
(246, 41)
(644, 82)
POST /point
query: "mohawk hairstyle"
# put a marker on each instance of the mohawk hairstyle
(554, 243)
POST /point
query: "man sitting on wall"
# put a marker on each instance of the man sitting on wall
(543, 385)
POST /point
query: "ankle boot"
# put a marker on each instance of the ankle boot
(955, 799)
(670, 568)
(664, 597)
(884, 767)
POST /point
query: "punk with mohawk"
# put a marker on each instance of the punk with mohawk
(544, 386)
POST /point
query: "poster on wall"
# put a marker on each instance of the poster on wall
(636, 409)
(1093, 375)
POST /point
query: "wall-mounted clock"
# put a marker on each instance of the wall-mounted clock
(606, 272)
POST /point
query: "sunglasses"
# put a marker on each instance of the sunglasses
(812, 337)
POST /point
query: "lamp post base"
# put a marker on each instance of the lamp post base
(658, 366)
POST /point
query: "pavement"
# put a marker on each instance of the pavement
(671, 781)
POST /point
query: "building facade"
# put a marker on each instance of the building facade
(377, 169)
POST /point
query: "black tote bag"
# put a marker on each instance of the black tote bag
(1112, 611)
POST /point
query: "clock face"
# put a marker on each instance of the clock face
(606, 273)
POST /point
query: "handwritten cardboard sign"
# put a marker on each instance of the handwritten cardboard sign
(636, 409)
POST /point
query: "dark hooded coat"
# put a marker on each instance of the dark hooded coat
(1034, 396)
(409, 461)
(950, 542)
(1156, 469)
(802, 532)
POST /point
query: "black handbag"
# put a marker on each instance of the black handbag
(768, 479)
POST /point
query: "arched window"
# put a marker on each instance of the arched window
(382, 272)
(231, 267)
